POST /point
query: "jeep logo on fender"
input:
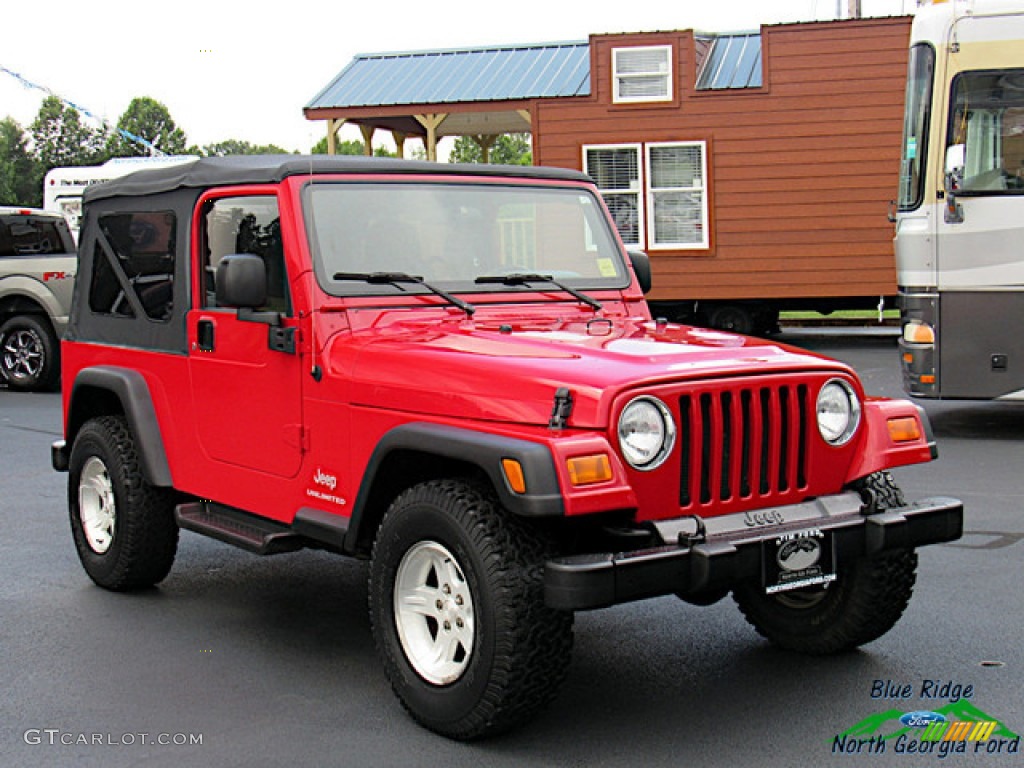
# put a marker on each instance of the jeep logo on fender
(766, 517)
(325, 480)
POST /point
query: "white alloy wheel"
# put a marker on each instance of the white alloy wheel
(434, 613)
(96, 505)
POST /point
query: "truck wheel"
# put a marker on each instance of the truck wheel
(29, 354)
(733, 318)
(123, 527)
(866, 600)
(456, 605)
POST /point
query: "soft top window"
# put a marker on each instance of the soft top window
(133, 271)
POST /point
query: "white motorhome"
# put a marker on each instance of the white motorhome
(63, 187)
(960, 219)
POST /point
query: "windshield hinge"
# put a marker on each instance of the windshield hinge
(562, 410)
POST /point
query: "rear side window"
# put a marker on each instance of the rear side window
(133, 265)
(22, 235)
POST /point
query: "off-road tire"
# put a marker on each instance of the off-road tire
(29, 354)
(867, 599)
(520, 648)
(136, 546)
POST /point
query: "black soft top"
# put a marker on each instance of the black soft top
(268, 169)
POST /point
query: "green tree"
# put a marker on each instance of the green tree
(59, 138)
(236, 147)
(20, 175)
(148, 119)
(506, 149)
(350, 147)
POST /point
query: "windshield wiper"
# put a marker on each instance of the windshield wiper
(394, 278)
(522, 278)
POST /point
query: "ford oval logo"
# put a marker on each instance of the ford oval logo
(922, 718)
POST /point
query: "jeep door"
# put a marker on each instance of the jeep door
(247, 396)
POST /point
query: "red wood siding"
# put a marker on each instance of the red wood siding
(800, 171)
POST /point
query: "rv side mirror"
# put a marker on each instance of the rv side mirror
(241, 281)
(954, 180)
(642, 268)
(955, 156)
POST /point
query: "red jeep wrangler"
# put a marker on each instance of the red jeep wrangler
(452, 372)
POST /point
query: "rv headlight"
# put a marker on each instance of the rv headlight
(646, 433)
(838, 412)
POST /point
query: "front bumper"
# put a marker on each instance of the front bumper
(705, 557)
(60, 456)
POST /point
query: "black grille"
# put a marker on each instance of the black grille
(741, 442)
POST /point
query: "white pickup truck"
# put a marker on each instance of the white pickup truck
(37, 275)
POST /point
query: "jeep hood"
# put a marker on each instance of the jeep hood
(504, 373)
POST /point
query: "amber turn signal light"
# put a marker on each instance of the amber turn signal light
(904, 429)
(587, 470)
(514, 474)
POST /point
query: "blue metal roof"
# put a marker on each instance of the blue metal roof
(498, 73)
(733, 61)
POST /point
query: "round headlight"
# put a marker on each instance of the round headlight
(838, 412)
(646, 433)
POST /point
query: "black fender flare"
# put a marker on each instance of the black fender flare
(131, 389)
(482, 450)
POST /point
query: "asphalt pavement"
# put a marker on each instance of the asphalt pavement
(236, 660)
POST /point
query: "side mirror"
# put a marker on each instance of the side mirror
(955, 160)
(241, 281)
(953, 182)
(642, 268)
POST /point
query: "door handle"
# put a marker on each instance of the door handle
(205, 336)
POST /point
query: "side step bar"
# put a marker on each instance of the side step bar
(264, 537)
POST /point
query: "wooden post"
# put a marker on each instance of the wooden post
(399, 138)
(431, 122)
(367, 131)
(333, 126)
(485, 143)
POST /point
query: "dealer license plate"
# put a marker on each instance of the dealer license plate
(800, 559)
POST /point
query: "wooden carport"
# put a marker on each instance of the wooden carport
(476, 92)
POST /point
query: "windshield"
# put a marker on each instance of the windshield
(917, 112)
(449, 234)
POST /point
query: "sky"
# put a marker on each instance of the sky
(241, 70)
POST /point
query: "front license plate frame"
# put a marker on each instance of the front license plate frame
(797, 560)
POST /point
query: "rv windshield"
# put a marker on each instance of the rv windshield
(451, 233)
(987, 119)
(915, 125)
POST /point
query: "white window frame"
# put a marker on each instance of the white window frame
(617, 77)
(638, 192)
(650, 192)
